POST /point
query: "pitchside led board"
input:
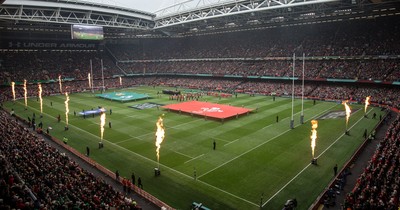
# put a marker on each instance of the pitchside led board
(86, 32)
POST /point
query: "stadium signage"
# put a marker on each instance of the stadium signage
(51, 45)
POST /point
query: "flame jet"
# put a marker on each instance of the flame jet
(40, 97)
(25, 94)
(348, 112)
(102, 123)
(366, 104)
(66, 107)
(314, 126)
(13, 89)
(160, 134)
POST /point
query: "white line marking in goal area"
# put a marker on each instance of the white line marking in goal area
(285, 119)
(182, 154)
(231, 142)
(310, 163)
(193, 158)
(119, 142)
(220, 139)
(259, 145)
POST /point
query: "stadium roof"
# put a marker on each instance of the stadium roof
(188, 17)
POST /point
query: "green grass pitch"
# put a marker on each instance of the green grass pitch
(257, 161)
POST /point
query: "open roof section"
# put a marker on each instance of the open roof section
(187, 11)
(187, 18)
(76, 12)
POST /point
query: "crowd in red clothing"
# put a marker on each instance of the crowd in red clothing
(366, 37)
(35, 175)
(378, 186)
(48, 65)
(384, 69)
(251, 54)
(381, 95)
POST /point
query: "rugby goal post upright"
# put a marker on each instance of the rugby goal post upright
(302, 96)
(91, 75)
(102, 75)
(292, 120)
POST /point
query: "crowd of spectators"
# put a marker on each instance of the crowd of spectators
(48, 65)
(378, 186)
(377, 37)
(383, 69)
(253, 55)
(35, 175)
(384, 95)
(387, 95)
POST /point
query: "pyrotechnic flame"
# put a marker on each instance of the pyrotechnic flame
(25, 94)
(160, 134)
(366, 104)
(66, 107)
(59, 82)
(348, 112)
(314, 126)
(40, 98)
(102, 123)
(120, 81)
(90, 84)
(13, 89)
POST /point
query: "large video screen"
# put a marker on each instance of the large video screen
(87, 32)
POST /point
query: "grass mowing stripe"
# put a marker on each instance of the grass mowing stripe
(310, 163)
(286, 118)
(259, 145)
(155, 162)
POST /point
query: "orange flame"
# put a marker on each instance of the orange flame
(348, 112)
(13, 89)
(90, 84)
(66, 107)
(314, 126)
(120, 81)
(366, 104)
(160, 134)
(59, 82)
(40, 98)
(102, 123)
(25, 94)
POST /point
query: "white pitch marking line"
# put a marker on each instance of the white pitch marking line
(193, 158)
(257, 146)
(125, 140)
(283, 119)
(310, 163)
(183, 154)
(185, 123)
(220, 139)
(231, 142)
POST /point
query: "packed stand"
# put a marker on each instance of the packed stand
(351, 38)
(48, 65)
(384, 95)
(54, 180)
(378, 186)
